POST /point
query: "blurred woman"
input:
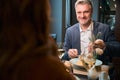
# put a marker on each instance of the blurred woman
(26, 52)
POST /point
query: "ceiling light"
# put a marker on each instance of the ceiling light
(115, 5)
(100, 6)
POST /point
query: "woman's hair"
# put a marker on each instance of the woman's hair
(24, 29)
(23, 21)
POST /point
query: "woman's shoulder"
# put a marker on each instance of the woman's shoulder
(40, 67)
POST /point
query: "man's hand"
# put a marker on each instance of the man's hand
(73, 53)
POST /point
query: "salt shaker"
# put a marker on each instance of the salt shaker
(103, 76)
(92, 74)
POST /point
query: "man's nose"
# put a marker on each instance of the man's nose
(82, 15)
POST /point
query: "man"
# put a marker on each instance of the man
(77, 37)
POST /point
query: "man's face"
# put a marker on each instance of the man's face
(83, 13)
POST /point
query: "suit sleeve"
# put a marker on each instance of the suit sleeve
(67, 44)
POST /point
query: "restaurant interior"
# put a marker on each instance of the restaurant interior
(63, 16)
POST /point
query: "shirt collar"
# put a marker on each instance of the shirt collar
(90, 28)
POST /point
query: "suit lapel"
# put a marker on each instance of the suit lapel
(78, 39)
(95, 28)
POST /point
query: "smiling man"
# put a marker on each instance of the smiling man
(77, 37)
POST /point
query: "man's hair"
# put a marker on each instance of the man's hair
(84, 2)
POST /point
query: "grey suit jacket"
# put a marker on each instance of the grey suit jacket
(72, 36)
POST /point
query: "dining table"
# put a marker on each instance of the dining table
(82, 74)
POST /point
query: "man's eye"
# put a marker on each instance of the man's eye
(86, 12)
(78, 12)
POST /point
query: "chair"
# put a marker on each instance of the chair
(116, 64)
(54, 36)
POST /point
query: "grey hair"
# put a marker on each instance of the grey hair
(84, 2)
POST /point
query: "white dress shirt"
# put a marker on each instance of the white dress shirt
(85, 38)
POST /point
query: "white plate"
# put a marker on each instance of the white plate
(98, 62)
(75, 60)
